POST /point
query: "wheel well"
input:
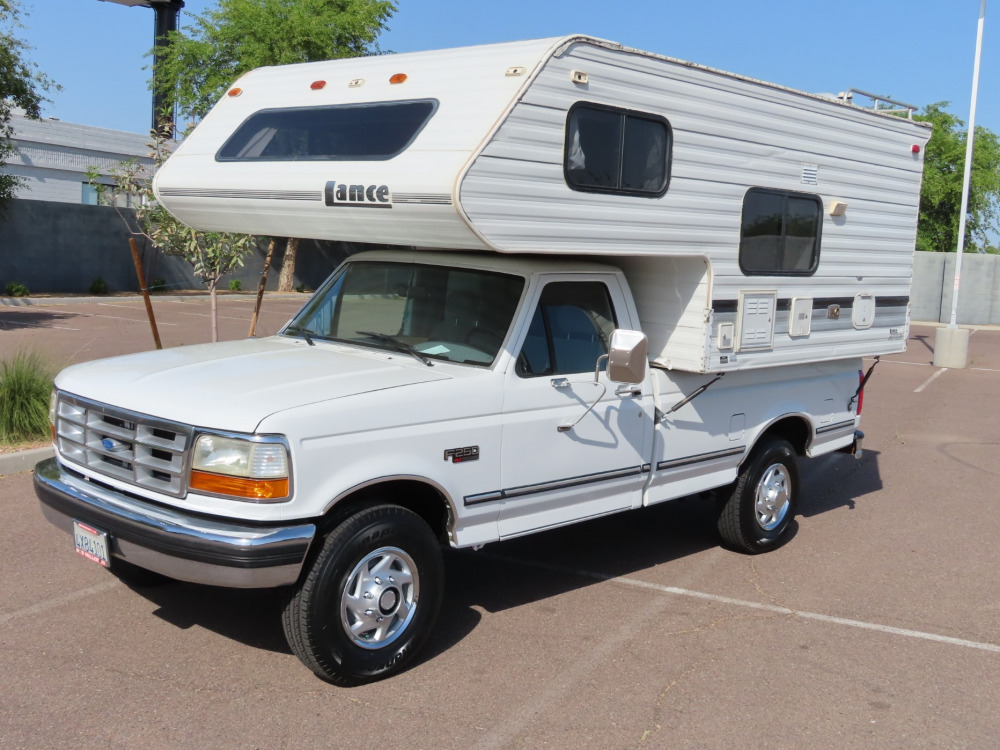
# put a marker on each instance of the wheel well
(423, 499)
(795, 430)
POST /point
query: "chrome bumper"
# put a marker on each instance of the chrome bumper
(180, 545)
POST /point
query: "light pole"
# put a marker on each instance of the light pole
(951, 344)
(167, 13)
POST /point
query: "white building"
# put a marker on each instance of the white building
(53, 157)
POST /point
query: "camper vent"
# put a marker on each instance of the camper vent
(810, 174)
(578, 76)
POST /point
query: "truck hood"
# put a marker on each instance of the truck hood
(236, 384)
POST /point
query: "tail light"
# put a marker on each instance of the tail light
(861, 391)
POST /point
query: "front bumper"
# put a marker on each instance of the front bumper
(180, 545)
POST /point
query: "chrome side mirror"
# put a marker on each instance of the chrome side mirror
(628, 356)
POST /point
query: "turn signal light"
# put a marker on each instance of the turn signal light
(263, 490)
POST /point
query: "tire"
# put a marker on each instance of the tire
(758, 512)
(369, 601)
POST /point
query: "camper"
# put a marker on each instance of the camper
(618, 279)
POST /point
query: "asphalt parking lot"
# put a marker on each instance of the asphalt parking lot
(877, 625)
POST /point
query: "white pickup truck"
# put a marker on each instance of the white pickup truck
(629, 279)
(417, 400)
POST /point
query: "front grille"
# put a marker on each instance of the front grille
(134, 448)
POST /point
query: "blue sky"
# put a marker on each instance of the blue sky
(916, 51)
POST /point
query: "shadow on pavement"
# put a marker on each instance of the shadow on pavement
(12, 321)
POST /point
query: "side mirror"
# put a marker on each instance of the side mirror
(628, 356)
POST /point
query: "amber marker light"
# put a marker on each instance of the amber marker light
(235, 92)
(398, 78)
(252, 489)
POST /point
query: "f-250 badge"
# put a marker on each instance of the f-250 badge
(461, 455)
(358, 196)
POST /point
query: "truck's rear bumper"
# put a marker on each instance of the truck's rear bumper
(180, 545)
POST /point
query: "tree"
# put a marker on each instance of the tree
(941, 194)
(21, 85)
(211, 254)
(195, 70)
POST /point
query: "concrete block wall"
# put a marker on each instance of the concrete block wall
(53, 247)
(933, 288)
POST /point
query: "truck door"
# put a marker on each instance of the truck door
(550, 476)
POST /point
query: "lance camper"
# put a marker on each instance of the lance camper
(621, 279)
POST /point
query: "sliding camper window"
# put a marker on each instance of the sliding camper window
(355, 132)
(780, 233)
(611, 150)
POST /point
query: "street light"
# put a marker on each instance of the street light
(167, 13)
(951, 344)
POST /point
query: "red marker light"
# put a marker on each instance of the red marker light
(317, 85)
(915, 148)
(861, 392)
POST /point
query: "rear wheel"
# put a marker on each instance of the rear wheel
(758, 511)
(369, 601)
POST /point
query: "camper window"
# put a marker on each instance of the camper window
(356, 132)
(610, 150)
(780, 233)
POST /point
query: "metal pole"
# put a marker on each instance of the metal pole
(968, 167)
(167, 13)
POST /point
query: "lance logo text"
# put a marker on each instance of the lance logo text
(360, 196)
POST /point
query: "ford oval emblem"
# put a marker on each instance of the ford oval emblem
(113, 445)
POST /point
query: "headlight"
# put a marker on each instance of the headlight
(247, 469)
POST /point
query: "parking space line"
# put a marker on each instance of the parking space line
(931, 379)
(58, 601)
(777, 609)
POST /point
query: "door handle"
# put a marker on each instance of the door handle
(629, 390)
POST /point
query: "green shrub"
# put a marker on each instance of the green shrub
(235, 285)
(25, 385)
(16, 289)
(99, 286)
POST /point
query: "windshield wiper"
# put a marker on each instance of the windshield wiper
(400, 346)
(306, 333)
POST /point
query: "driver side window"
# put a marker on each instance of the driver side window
(570, 329)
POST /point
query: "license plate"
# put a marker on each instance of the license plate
(91, 543)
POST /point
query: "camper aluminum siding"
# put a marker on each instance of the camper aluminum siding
(729, 134)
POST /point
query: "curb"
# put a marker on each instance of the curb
(15, 463)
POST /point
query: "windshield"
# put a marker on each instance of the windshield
(435, 312)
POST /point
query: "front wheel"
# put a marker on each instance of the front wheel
(759, 510)
(370, 599)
